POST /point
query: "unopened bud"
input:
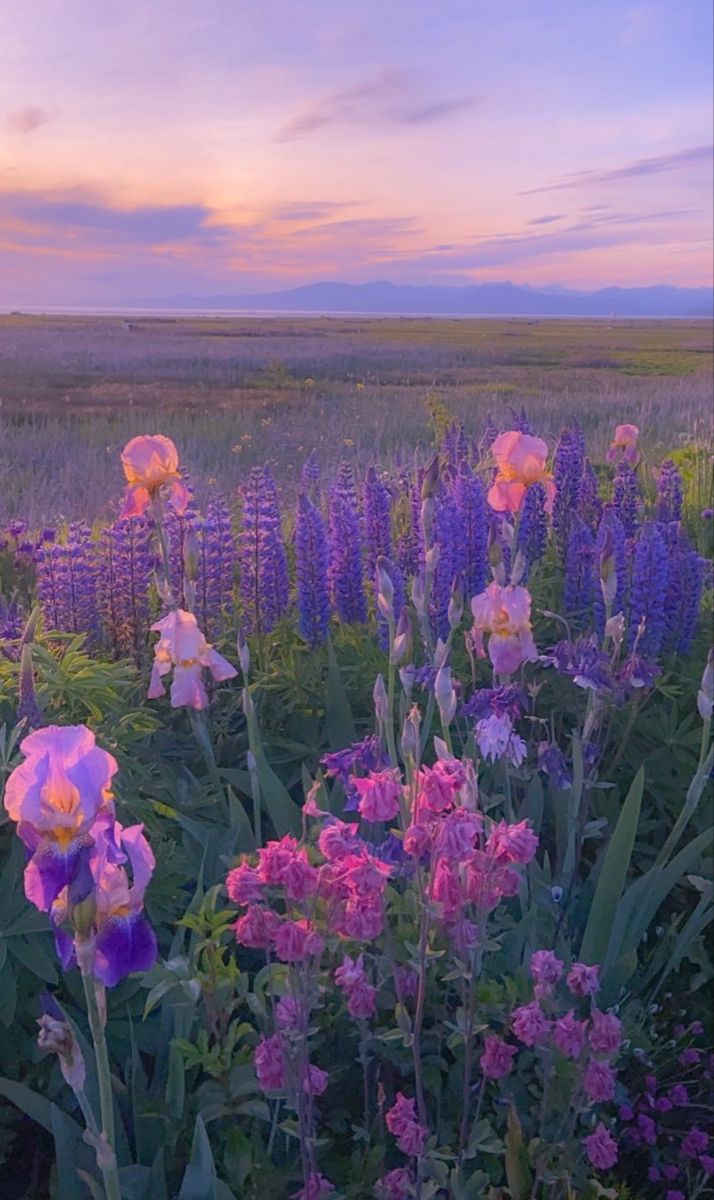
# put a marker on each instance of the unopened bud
(441, 653)
(385, 589)
(190, 555)
(615, 629)
(456, 602)
(608, 572)
(518, 568)
(430, 482)
(27, 705)
(431, 558)
(381, 703)
(56, 1037)
(243, 654)
(705, 696)
(445, 695)
(419, 595)
(248, 706)
(403, 642)
(410, 733)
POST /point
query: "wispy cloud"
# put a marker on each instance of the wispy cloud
(547, 219)
(73, 214)
(311, 210)
(27, 120)
(392, 97)
(691, 156)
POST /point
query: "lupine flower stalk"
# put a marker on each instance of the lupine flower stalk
(123, 585)
(311, 566)
(264, 588)
(67, 582)
(578, 573)
(649, 591)
(533, 528)
(625, 498)
(469, 497)
(670, 494)
(568, 463)
(216, 547)
(346, 580)
(610, 542)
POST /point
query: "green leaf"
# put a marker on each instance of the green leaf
(596, 939)
(518, 1172)
(200, 1181)
(340, 722)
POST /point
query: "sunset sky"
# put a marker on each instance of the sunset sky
(156, 148)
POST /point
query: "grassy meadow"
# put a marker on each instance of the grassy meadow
(238, 391)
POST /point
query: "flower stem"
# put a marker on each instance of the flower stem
(104, 1145)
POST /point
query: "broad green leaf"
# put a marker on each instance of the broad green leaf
(613, 874)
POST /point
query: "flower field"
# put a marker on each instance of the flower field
(356, 834)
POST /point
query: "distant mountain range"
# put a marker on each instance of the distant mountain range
(481, 299)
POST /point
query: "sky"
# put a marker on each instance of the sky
(151, 149)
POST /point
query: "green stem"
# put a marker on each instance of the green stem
(105, 1146)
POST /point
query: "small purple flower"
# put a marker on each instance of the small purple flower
(311, 561)
(670, 493)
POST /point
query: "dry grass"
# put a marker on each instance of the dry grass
(236, 391)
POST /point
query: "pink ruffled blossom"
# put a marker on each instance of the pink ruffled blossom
(270, 1063)
(360, 994)
(599, 1081)
(530, 1024)
(546, 970)
(583, 980)
(275, 858)
(569, 1035)
(379, 794)
(289, 1013)
(605, 1033)
(497, 1057)
(601, 1148)
(338, 839)
(316, 1188)
(514, 843)
(244, 884)
(403, 1123)
(395, 1185)
(296, 941)
(257, 927)
(457, 834)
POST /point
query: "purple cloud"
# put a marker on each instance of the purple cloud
(27, 120)
(691, 156)
(145, 224)
(390, 97)
(547, 219)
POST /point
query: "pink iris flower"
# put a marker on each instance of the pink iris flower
(150, 463)
(520, 459)
(57, 796)
(624, 445)
(504, 613)
(183, 648)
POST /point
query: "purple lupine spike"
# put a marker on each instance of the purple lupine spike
(311, 562)
(214, 587)
(610, 533)
(377, 509)
(454, 448)
(589, 503)
(578, 576)
(670, 493)
(346, 581)
(649, 591)
(533, 528)
(399, 600)
(625, 498)
(310, 477)
(125, 566)
(67, 583)
(567, 472)
(12, 623)
(407, 534)
(278, 559)
(264, 586)
(448, 535)
(469, 496)
(521, 421)
(687, 572)
(177, 527)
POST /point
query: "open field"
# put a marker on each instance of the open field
(236, 391)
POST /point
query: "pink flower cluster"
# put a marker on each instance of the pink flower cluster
(403, 1123)
(360, 994)
(271, 1067)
